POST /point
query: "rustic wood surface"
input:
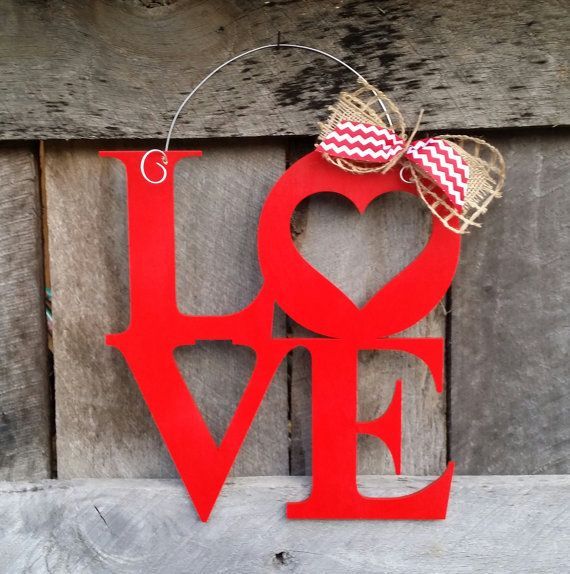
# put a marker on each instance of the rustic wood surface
(523, 432)
(360, 254)
(69, 70)
(103, 427)
(118, 70)
(512, 525)
(25, 442)
(510, 320)
(218, 201)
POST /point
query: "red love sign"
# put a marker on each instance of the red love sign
(157, 328)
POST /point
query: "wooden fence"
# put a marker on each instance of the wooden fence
(81, 77)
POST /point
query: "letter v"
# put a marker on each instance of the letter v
(202, 464)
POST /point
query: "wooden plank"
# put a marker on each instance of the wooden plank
(218, 202)
(360, 254)
(510, 317)
(69, 70)
(104, 429)
(512, 525)
(25, 441)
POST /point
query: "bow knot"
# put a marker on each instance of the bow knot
(435, 157)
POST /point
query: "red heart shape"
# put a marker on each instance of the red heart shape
(311, 299)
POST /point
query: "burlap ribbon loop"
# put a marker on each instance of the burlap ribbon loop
(486, 166)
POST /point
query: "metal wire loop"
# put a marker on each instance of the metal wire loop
(220, 67)
(164, 160)
(402, 174)
(247, 53)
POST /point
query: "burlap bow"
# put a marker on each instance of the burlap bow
(456, 176)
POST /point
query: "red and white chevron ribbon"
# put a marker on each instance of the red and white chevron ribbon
(374, 144)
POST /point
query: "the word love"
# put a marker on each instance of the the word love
(157, 328)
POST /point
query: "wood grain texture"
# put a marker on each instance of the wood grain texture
(25, 441)
(510, 319)
(218, 201)
(103, 427)
(69, 70)
(512, 525)
(360, 254)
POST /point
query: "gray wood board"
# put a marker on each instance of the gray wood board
(510, 319)
(120, 69)
(512, 525)
(103, 427)
(360, 254)
(25, 441)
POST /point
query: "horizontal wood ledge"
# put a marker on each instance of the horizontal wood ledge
(87, 70)
(495, 524)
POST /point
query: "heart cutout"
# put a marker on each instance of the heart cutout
(311, 299)
(360, 253)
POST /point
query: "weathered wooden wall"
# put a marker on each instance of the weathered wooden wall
(511, 525)
(118, 69)
(109, 431)
(509, 328)
(69, 70)
(25, 429)
(507, 410)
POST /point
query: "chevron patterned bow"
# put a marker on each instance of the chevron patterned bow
(436, 158)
